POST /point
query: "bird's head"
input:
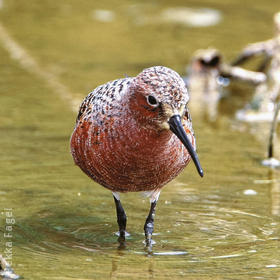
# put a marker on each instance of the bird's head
(159, 101)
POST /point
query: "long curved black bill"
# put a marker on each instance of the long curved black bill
(177, 128)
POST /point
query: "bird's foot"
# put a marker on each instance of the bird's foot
(122, 235)
(122, 243)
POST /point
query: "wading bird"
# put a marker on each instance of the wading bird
(135, 134)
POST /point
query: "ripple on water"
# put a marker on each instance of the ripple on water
(170, 253)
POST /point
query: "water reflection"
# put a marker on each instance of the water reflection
(148, 271)
(274, 191)
(275, 198)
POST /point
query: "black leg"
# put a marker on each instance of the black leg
(272, 131)
(149, 225)
(121, 218)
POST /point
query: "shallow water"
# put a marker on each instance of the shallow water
(224, 226)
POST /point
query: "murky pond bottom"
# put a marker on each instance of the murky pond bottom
(224, 226)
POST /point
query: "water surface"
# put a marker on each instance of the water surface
(224, 226)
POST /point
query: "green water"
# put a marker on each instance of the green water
(64, 226)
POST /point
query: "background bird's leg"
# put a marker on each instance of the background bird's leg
(121, 216)
(273, 130)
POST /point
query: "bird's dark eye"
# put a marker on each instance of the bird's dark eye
(152, 100)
